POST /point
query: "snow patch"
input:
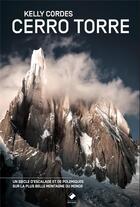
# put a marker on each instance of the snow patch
(30, 151)
(34, 153)
(98, 165)
(29, 117)
(45, 134)
(86, 144)
(102, 124)
(69, 117)
(8, 157)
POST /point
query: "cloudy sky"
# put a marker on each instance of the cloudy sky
(101, 65)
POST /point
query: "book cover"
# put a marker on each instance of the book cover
(69, 103)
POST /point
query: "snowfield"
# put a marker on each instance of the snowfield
(104, 194)
(133, 189)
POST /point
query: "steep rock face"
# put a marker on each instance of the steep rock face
(23, 131)
(90, 138)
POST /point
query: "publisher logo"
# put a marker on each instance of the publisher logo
(71, 198)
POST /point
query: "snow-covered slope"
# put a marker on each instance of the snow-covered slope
(99, 194)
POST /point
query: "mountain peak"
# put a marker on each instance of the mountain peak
(33, 76)
(37, 59)
(108, 110)
(90, 138)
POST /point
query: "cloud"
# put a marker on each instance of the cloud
(76, 74)
(11, 76)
